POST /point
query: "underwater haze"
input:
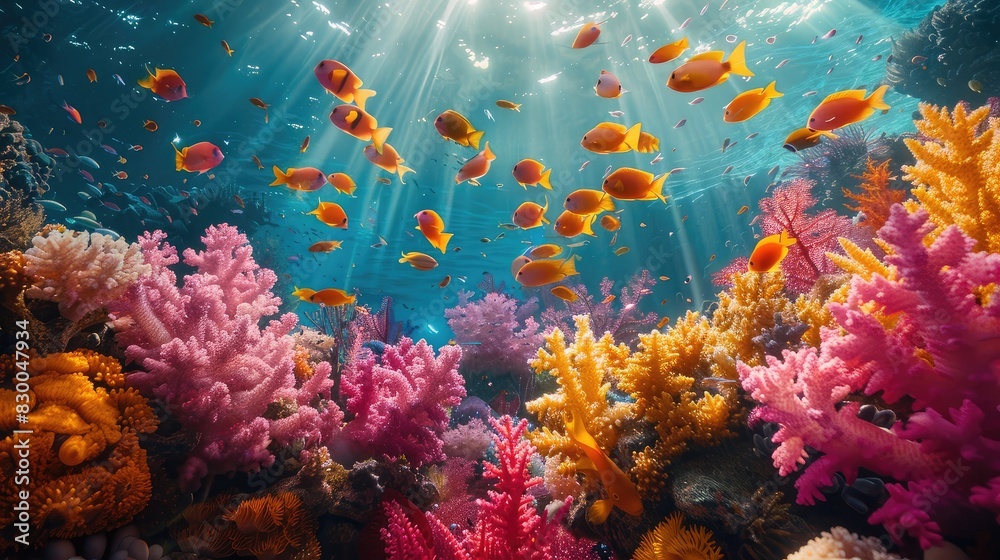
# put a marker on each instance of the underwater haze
(625, 279)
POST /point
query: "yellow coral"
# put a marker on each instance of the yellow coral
(670, 540)
(13, 279)
(956, 175)
(744, 311)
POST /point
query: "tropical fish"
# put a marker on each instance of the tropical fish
(504, 104)
(342, 182)
(305, 145)
(299, 179)
(167, 84)
(569, 224)
(545, 251)
(609, 138)
(564, 293)
(846, 108)
(619, 487)
(628, 183)
(225, 46)
(419, 261)
(666, 53)
(332, 297)
(339, 80)
(545, 271)
(530, 172)
(150, 125)
(303, 293)
(587, 34)
(388, 159)
(196, 122)
(256, 161)
(610, 223)
(198, 157)
(451, 125)
(258, 102)
(324, 246)
(91, 75)
(330, 214)
(476, 167)
(203, 19)
(431, 225)
(588, 201)
(530, 215)
(74, 115)
(769, 252)
(707, 69)
(50, 204)
(805, 138)
(608, 86)
(517, 263)
(359, 124)
(749, 103)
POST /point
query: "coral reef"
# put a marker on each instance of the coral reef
(618, 314)
(23, 165)
(874, 196)
(503, 331)
(81, 271)
(200, 350)
(20, 219)
(670, 539)
(841, 543)
(951, 47)
(88, 472)
(468, 441)
(397, 403)
(955, 175)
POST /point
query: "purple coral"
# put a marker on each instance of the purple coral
(618, 314)
(200, 349)
(398, 402)
(939, 349)
(503, 333)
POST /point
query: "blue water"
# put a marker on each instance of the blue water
(424, 57)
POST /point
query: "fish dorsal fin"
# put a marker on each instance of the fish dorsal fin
(848, 94)
(709, 55)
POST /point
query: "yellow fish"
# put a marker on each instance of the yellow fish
(419, 261)
(769, 252)
(342, 182)
(588, 201)
(749, 103)
(569, 224)
(545, 271)
(805, 138)
(612, 138)
(431, 225)
(545, 251)
(621, 490)
(628, 183)
(846, 108)
(303, 293)
(530, 214)
(666, 53)
(564, 293)
(707, 69)
(451, 125)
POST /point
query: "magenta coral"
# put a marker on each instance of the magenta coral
(398, 402)
(200, 349)
(505, 333)
(81, 271)
(933, 340)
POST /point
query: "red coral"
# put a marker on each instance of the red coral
(875, 197)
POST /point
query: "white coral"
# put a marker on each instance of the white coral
(841, 543)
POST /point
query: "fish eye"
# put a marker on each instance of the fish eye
(515, 168)
(568, 199)
(813, 119)
(344, 221)
(584, 136)
(615, 496)
(440, 119)
(322, 62)
(515, 214)
(598, 82)
(673, 76)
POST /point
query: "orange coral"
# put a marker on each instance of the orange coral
(670, 540)
(13, 279)
(303, 369)
(88, 472)
(875, 197)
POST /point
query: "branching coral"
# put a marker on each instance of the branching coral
(81, 271)
(504, 331)
(956, 172)
(875, 197)
(670, 540)
(20, 220)
(88, 473)
(13, 278)
(619, 314)
(841, 543)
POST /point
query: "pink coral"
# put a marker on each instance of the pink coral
(398, 401)
(200, 349)
(506, 334)
(618, 314)
(81, 271)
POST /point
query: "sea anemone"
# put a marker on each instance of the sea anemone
(671, 541)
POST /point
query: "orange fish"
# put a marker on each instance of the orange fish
(530, 215)
(324, 246)
(198, 157)
(330, 214)
(805, 138)
(620, 489)
(339, 80)
(332, 297)
(196, 123)
(749, 103)
(453, 126)
(91, 75)
(846, 108)
(419, 261)
(666, 53)
(203, 19)
(258, 102)
(545, 251)
(503, 103)
(388, 159)
(545, 271)
(444, 281)
(305, 145)
(476, 167)
(769, 252)
(608, 86)
(611, 138)
(432, 226)
(225, 45)
(150, 125)
(299, 179)
(707, 69)
(530, 172)
(165, 83)
(303, 293)
(74, 115)
(589, 201)
(587, 35)
(342, 182)
(359, 124)
(663, 322)
(239, 201)
(517, 263)
(569, 224)
(564, 293)
(122, 175)
(628, 183)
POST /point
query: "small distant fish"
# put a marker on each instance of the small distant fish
(51, 205)
(657, 159)
(830, 33)
(256, 160)
(111, 205)
(86, 175)
(150, 125)
(23, 79)
(810, 93)
(444, 282)
(118, 79)
(772, 171)
(627, 39)
(606, 173)
(324, 246)
(225, 46)
(727, 170)
(696, 101)
(59, 79)
(783, 63)
(730, 38)
(122, 175)
(617, 113)
(74, 115)
(687, 280)
(976, 86)
(942, 82)
(681, 123)
(858, 42)
(676, 170)
(705, 9)
(621, 251)
(725, 144)
(685, 24)
(584, 166)
(752, 135)
(305, 145)
(815, 38)
(770, 40)
(608, 299)
(239, 201)
(58, 152)
(196, 122)
(88, 161)
(746, 180)
(918, 59)
(504, 104)
(742, 209)
(564, 293)
(91, 75)
(46, 37)
(489, 115)
(203, 19)
(258, 102)
(877, 58)
(384, 180)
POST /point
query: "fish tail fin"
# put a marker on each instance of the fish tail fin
(379, 136)
(361, 96)
(607, 203)
(656, 189)
(771, 92)
(544, 210)
(545, 180)
(178, 157)
(568, 267)
(738, 60)
(402, 170)
(279, 177)
(632, 136)
(442, 242)
(517, 107)
(474, 139)
(488, 153)
(588, 225)
(876, 101)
